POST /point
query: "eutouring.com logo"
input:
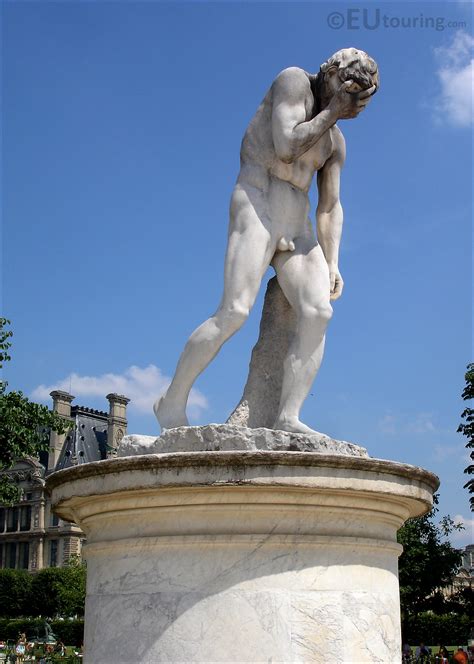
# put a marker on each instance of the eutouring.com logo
(356, 18)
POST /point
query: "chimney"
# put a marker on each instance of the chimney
(61, 406)
(117, 421)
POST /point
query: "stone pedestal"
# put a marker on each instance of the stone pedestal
(242, 556)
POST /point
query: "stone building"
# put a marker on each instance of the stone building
(31, 536)
(464, 577)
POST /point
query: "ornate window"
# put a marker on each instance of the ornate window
(25, 518)
(12, 519)
(23, 555)
(54, 520)
(53, 553)
(10, 554)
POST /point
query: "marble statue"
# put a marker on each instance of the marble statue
(293, 135)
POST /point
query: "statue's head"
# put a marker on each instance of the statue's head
(350, 64)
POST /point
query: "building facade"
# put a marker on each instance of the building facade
(31, 535)
(465, 575)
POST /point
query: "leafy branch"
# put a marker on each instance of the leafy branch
(24, 425)
(467, 428)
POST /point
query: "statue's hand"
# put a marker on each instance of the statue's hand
(336, 282)
(346, 104)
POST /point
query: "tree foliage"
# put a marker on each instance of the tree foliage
(59, 591)
(467, 427)
(72, 588)
(427, 563)
(53, 591)
(24, 425)
(45, 590)
(15, 592)
(5, 342)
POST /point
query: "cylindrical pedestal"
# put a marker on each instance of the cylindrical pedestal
(242, 556)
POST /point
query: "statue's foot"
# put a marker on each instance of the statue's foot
(168, 415)
(293, 425)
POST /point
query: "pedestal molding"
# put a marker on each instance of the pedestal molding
(105, 548)
(239, 458)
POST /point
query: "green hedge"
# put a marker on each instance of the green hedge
(9, 629)
(440, 629)
(70, 632)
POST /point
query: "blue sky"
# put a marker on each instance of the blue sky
(122, 125)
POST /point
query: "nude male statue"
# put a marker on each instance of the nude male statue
(292, 136)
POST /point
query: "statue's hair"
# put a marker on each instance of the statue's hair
(352, 63)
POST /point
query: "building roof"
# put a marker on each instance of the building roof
(87, 440)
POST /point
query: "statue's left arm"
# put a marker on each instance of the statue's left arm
(329, 214)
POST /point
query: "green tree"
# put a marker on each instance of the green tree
(44, 592)
(24, 425)
(15, 587)
(427, 563)
(461, 602)
(53, 591)
(467, 428)
(72, 588)
(59, 591)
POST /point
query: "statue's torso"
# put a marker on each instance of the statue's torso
(259, 161)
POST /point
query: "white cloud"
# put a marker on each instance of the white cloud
(455, 74)
(461, 538)
(401, 423)
(388, 424)
(141, 385)
(443, 452)
(423, 423)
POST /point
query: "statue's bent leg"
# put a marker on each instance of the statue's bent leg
(248, 256)
(304, 279)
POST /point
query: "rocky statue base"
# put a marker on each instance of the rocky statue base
(230, 438)
(241, 555)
